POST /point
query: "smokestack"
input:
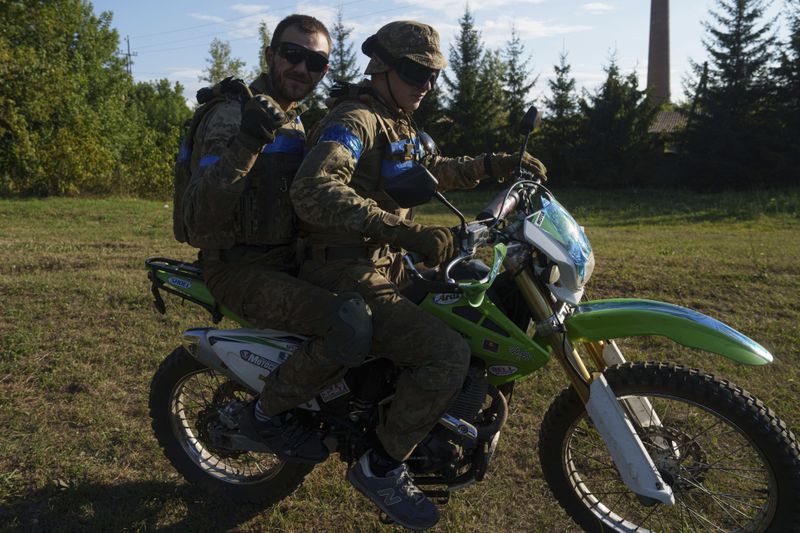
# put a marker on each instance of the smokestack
(658, 57)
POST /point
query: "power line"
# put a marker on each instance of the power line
(146, 51)
(204, 36)
(223, 21)
(192, 46)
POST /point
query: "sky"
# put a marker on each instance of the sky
(171, 38)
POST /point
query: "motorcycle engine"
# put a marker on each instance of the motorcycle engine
(442, 451)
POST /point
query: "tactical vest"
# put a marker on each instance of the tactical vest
(264, 215)
(207, 98)
(401, 151)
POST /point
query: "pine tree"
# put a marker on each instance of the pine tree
(315, 106)
(786, 105)
(562, 124)
(343, 59)
(464, 108)
(728, 134)
(517, 82)
(221, 64)
(491, 99)
(617, 149)
(264, 38)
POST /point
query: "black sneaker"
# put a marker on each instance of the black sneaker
(396, 495)
(284, 436)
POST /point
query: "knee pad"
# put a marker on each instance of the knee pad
(349, 331)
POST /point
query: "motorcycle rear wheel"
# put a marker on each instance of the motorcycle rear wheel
(732, 463)
(185, 397)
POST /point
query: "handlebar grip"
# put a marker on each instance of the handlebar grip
(497, 209)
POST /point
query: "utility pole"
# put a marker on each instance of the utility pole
(128, 56)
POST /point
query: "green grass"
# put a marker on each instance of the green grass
(80, 340)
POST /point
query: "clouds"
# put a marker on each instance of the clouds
(597, 8)
(498, 31)
(457, 6)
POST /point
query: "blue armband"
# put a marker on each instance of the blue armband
(342, 135)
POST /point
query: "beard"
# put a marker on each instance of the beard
(291, 85)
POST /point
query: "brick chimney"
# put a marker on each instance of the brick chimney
(658, 57)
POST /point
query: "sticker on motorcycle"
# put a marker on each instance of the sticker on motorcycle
(446, 298)
(178, 282)
(255, 359)
(491, 346)
(516, 351)
(334, 391)
(502, 370)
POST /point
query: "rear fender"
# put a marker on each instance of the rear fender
(600, 320)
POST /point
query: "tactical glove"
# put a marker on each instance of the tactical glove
(261, 116)
(434, 243)
(501, 165)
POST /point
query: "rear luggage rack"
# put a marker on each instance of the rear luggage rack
(179, 268)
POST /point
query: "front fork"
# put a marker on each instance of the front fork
(614, 420)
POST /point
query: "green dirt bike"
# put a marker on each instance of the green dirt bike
(626, 447)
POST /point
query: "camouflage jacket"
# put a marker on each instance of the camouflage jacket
(338, 191)
(237, 196)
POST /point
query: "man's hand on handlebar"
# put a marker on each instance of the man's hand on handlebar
(502, 166)
(434, 243)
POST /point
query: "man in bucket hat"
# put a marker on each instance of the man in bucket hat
(353, 230)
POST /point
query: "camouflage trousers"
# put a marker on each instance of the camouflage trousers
(261, 288)
(434, 357)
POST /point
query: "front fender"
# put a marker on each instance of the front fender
(629, 317)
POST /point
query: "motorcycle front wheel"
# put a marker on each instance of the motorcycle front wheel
(731, 462)
(185, 403)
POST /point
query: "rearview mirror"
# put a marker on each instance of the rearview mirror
(412, 187)
(530, 121)
(428, 144)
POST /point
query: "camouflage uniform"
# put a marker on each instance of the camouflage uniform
(237, 210)
(348, 219)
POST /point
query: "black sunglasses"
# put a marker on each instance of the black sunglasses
(294, 54)
(415, 74)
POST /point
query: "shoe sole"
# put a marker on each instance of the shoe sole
(247, 431)
(351, 477)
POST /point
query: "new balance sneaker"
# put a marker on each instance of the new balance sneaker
(284, 436)
(395, 494)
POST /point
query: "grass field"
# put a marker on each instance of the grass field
(80, 340)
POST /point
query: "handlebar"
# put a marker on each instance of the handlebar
(500, 206)
(474, 234)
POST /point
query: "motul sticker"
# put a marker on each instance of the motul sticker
(255, 359)
(334, 391)
(178, 282)
(447, 298)
(539, 218)
(502, 370)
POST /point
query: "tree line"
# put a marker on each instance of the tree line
(73, 121)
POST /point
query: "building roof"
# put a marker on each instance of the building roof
(668, 122)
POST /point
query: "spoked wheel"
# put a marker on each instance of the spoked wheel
(731, 463)
(190, 405)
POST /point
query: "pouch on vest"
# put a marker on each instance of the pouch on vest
(207, 98)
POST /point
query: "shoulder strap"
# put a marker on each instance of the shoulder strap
(342, 91)
(208, 97)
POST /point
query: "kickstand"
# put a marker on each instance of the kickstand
(384, 518)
